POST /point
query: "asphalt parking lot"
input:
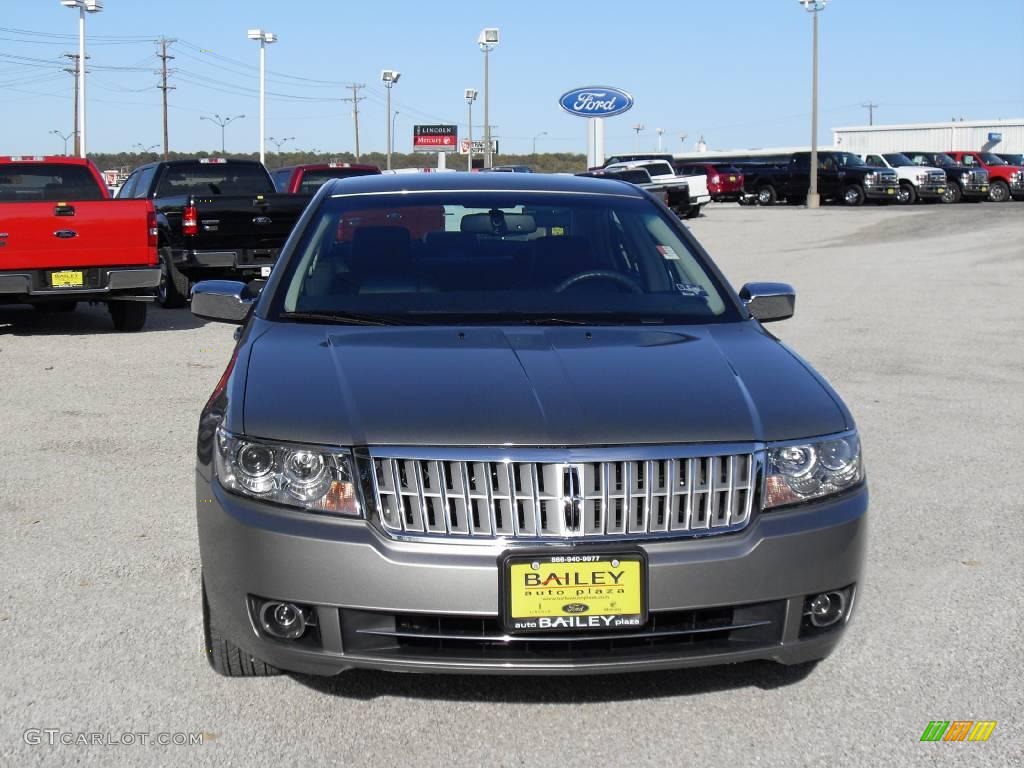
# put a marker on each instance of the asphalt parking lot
(914, 315)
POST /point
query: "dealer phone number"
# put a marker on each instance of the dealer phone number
(576, 559)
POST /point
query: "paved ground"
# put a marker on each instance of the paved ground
(915, 315)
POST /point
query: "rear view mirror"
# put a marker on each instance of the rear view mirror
(498, 223)
(768, 302)
(224, 301)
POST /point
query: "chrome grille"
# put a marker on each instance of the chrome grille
(936, 177)
(509, 499)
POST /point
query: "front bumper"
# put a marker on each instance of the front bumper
(974, 189)
(235, 262)
(881, 191)
(369, 592)
(929, 190)
(98, 283)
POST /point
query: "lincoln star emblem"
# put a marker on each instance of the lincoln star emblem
(262, 220)
(572, 497)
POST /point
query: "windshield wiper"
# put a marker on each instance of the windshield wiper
(343, 318)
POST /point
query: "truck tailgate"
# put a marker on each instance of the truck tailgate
(98, 233)
(250, 222)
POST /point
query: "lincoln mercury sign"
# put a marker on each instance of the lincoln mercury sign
(596, 101)
(435, 138)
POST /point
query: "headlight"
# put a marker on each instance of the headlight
(801, 472)
(869, 178)
(922, 178)
(314, 478)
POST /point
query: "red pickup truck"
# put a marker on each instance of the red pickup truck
(307, 179)
(63, 240)
(725, 183)
(1004, 180)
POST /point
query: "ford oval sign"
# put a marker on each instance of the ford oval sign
(596, 101)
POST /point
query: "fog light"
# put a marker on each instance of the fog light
(283, 620)
(827, 608)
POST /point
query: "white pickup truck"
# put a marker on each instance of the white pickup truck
(662, 175)
(917, 182)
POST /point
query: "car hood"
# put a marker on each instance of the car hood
(531, 386)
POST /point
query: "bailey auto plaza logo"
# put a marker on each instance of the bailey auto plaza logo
(958, 730)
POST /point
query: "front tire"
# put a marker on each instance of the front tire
(693, 212)
(998, 191)
(853, 195)
(128, 316)
(174, 286)
(907, 194)
(953, 193)
(226, 658)
(766, 195)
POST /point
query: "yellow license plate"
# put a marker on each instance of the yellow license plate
(577, 592)
(890, 191)
(68, 278)
(732, 178)
(941, 190)
(984, 189)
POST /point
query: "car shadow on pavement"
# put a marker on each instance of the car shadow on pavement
(365, 685)
(23, 320)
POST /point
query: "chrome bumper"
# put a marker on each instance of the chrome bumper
(33, 282)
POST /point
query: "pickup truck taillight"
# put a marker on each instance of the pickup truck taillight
(190, 221)
(153, 232)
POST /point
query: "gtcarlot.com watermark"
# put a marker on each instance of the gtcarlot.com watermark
(52, 737)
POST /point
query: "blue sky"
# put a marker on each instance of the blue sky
(736, 72)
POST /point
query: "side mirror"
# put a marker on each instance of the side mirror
(768, 302)
(224, 301)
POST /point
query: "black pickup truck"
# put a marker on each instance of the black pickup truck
(217, 218)
(842, 177)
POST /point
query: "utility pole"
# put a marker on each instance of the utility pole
(164, 42)
(871, 112)
(355, 99)
(74, 120)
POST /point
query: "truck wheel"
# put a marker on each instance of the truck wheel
(907, 194)
(998, 191)
(766, 195)
(694, 211)
(128, 316)
(50, 307)
(853, 195)
(226, 658)
(173, 289)
(952, 193)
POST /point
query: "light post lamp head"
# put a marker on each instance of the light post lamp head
(813, 6)
(389, 77)
(262, 36)
(489, 38)
(89, 6)
(470, 95)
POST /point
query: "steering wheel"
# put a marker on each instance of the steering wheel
(598, 274)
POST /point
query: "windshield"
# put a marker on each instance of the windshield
(943, 160)
(1012, 159)
(520, 256)
(846, 159)
(898, 159)
(313, 180)
(34, 182)
(215, 179)
(991, 159)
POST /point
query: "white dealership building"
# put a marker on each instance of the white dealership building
(981, 135)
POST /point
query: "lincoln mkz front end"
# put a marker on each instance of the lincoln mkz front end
(517, 428)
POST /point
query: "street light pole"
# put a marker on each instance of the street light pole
(64, 136)
(638, 127)
(223, 122)
(542, 133)
(659, 131)
(83, 6)
(394, 117)
(814, 7)
(487, 41)
(389, 77)
(470, 98)
(265, 38)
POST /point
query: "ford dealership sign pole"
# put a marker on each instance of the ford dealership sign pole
(596, 103)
